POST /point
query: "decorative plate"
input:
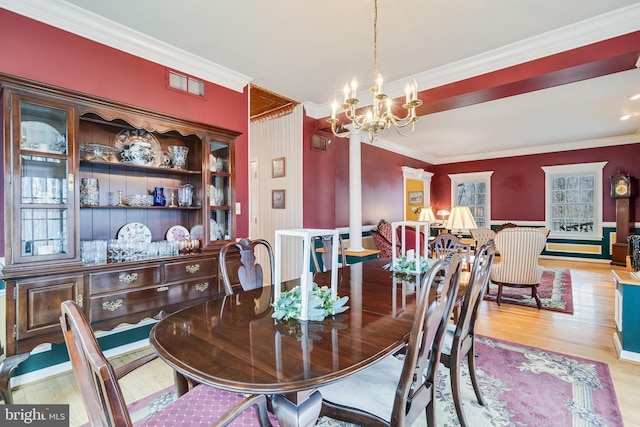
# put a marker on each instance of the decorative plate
(138, 147)
(177, 232)
(197, 232)
(41, 136)
(135, 231)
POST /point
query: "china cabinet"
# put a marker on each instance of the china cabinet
(84, 217)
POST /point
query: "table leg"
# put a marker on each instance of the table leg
(297, 409)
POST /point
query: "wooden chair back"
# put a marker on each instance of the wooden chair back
(95, 376)
(247, 272)
(326, 254)
(416, 388)
(478, 282)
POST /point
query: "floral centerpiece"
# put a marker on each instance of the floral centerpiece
(321, 305)
(407, 265)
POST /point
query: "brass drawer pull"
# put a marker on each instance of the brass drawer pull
(162, 289)
(79, 300)
(192, 268)
(112, 305)
(128, 278)
(201, 287)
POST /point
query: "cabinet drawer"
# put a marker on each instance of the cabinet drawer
(186, 270)
(123, 279)
(108, 306)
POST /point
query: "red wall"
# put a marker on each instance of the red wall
(43, 53)
(326, 181)
(517, 184)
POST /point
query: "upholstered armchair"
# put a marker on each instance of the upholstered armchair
(481, 236)
(520, 248)
(383, 240)
(633, 257)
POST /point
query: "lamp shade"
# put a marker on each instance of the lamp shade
(426, 214)
(461, 219)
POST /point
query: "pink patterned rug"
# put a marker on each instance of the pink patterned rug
(554, 290)
(526, 386)
(523, 387)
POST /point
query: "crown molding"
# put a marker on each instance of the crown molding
(596, 29)
(540, 149)
(71, 18)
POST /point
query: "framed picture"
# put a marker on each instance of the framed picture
(277, 168)
(414, 197)
(277, 199)
(319, 143)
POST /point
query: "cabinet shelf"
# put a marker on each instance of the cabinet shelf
(148, 169)
(166, 208)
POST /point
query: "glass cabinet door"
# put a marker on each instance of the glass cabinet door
(44, 206)
(220, 195)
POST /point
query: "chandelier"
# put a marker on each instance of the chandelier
(380, 115)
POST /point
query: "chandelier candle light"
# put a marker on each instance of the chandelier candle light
(380, 115)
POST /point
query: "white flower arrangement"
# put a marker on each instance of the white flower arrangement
(321, 305)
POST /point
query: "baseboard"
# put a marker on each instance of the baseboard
(624, 354)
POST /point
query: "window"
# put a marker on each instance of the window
(573, 200)
(473, 190)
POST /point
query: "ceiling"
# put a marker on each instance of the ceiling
(497, 77)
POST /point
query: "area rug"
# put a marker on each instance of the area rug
(523, 387)
(554, 290)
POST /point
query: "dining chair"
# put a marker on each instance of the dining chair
(327, 252)
(394, 392)
(248, 273)
(520, 249)
(447, 243)
(104, 402)
(459, 340)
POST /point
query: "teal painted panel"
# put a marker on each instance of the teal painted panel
(58, 353)
(631, 318)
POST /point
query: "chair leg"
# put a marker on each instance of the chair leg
(431, 412)
(534, 294)
(471, 361)
(454, 372)
(499, 297)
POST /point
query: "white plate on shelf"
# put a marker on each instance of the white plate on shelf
(197, 232)
(214, 230)
(177, 232)
(135, 231)
(41, 136)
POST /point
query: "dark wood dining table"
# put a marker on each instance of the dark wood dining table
(233, 342)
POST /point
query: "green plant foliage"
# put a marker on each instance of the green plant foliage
(289, 305)
(405, 266)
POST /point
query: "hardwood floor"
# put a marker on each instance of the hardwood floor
(587, 333)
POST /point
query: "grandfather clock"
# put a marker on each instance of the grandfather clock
(621, 191)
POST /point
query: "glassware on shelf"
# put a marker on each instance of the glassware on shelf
(89, 192)
(185, 195)
(178, 154)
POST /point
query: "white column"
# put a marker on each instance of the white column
(355, 192)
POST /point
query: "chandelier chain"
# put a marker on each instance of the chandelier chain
(375, 39)
(380, 115)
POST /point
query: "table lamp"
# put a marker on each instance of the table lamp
(442, 213)
(426, 214)
(460, 219)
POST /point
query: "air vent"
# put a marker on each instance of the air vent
(186, 83)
